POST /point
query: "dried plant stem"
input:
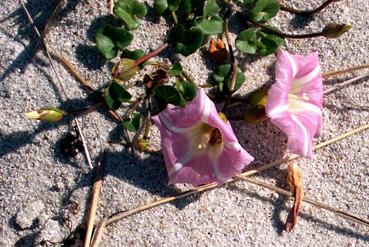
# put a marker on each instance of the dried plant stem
(87, 154)
(47, 26)
(281, 191)
(111, 7)
(307, 12)
(345, 83)
(93, 204)
(234, 65)
(102, 225)
(344, 71)
(74, 72)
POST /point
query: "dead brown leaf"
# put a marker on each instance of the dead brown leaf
(294, 179)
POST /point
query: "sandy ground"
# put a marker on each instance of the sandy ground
(39, 185)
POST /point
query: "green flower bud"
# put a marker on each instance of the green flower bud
(333, 30)
(49, 114)
(124, 70)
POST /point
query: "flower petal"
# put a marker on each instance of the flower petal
(181, 133)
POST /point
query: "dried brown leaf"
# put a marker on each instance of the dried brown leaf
(294, 179)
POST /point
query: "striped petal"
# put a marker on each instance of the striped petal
(295, 100)
(185, 137)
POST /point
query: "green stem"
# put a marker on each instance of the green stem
(85, 110)
(150, 55)
(174, 17)
(287, 35)
(307, 12)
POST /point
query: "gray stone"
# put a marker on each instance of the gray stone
(26, 216)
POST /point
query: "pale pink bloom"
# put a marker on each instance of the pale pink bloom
(295, 101)
(199, 147)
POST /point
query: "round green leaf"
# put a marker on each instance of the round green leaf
(117, 92)
(132, 124)
(214, 25)
(173, 5)
(129, 11)
(187, 90)
(160, 6)
(168, 94)
(264, 10)
(211, 8)
(105, 45)
(268, 43)
(186, 41)
(176, 69)
(247, 41)
(222, 76)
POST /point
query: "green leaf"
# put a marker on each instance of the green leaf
(169, 94)
(247, 41)
(193, 6)
(105, 45)
(115, 94)
(251, 41)
(222, 76)
(187, 90)
(214, 25)
(176, 69)
(186, 41)
(268, 43)
(264, 10)
(132, 124)
(173, 5)
(160, 6)
(211, 8)
(109, 39)
(129, 11)
(134, 55)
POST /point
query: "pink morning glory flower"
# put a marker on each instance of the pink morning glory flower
(294, 103)
(199, 147)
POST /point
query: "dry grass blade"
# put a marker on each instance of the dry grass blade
(344, 71)
(102, 225)
(339, 213)
(345, 83)
(93, 204)
(87, 153)
(74, 72)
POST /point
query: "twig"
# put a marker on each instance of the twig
(87, 154)
(74, 72)
(344, 71)
(233, 61)
(102, 225)
(307, 12)
(111, 7)
(345, 83)
(93, 203)
(47, 26)
(281, 191)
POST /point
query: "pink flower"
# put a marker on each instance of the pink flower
(199, 147)
(295, 101)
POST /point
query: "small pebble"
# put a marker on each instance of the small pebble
(26, 216)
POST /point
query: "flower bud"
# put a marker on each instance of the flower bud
(124, 70)
(50, 114)
(333, 30)
(141, 144)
